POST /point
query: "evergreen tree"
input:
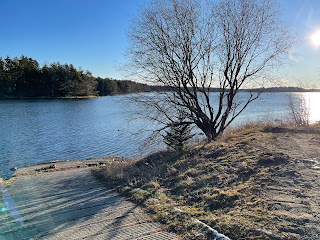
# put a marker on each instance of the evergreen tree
(179, 133)
(23, 77)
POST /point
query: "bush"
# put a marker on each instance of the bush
(299, 109)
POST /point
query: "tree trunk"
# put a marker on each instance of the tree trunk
(209, 131)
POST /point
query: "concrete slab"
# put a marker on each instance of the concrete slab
(71, 204)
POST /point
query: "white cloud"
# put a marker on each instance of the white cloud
(293, 56)
(283, 80)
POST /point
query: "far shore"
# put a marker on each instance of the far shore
(66, 97)
(164, 89)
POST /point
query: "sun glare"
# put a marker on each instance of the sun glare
(315, 38)
(313, 99)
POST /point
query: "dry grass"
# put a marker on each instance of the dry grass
(223, 184)
(236, 130)
(117, 172)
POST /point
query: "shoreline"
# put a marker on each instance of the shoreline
(58, 165)
(267, 90)
(67, 97)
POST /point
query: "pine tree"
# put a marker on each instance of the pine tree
(177, 136)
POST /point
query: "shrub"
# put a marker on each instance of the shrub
(299, 109)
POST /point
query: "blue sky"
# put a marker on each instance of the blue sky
(303, 18)
(86, 33)
(92, 34)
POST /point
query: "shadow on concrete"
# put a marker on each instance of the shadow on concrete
(71, 205)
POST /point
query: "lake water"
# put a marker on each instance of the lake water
(41, 130)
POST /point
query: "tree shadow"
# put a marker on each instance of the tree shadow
(58, 206)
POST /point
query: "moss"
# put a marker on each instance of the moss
(138, 195)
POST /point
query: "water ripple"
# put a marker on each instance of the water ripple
(34, 131)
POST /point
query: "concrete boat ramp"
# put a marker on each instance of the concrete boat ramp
(63, 200)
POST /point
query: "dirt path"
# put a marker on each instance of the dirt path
(71, 204)
(293, 190)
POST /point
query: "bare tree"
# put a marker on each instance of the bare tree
(191, 46)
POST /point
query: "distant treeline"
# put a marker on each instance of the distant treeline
(109, 86)
(23, 77)
(272, 89)
(283, 89)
